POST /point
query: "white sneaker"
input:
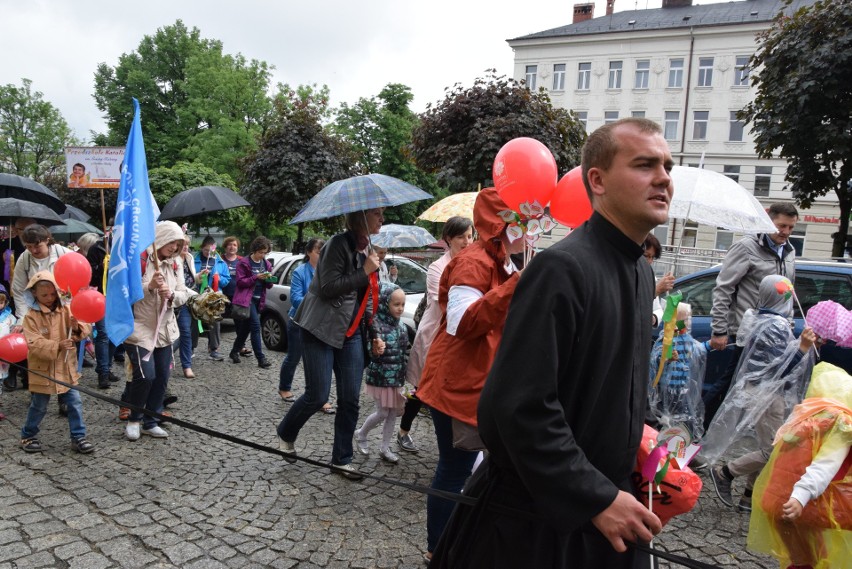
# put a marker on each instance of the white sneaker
(361, 443)
(131, 431)
(287, 448)
(156, 432)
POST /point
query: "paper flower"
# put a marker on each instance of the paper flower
(785, 288)
(530, 223)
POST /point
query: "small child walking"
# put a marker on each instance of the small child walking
(386, 372)
(51, 332)
(803, 498)
(677, 396)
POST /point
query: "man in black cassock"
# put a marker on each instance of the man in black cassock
(562, 410)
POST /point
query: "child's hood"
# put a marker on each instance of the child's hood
(29, 297)
(386, 289)
(831, 382)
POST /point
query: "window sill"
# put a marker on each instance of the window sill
(613, 89)
(703, 87)
(674, 89)
(640, 90)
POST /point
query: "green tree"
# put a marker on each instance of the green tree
(33, 134)
(380, 130)
(458, 138)
(197, 103)
(296, 158)
(803, 106)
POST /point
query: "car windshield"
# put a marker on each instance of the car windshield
(411, 277)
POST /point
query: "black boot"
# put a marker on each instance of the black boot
(11, 382)
(103, 381)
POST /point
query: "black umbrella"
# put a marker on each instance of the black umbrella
(200, 200)
(72, 229)
(11, 209)
(72, 212)
(13, 186)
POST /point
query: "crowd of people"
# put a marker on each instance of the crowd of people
(549, 368)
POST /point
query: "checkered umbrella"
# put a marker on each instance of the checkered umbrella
(831, 321)
(359, 193)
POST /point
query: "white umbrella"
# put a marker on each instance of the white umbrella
(393, 236)
(711, 198)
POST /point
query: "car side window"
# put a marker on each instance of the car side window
(812, 287)
(292, 267)
(698, 293)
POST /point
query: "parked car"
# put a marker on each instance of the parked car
(815, 281)
(273, 320)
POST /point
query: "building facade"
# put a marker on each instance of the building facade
(685, 67)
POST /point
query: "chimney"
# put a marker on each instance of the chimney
(610, 7)
(676, 3)
(583, 12)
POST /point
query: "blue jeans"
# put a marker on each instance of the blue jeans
(451, 473)
(294, 354)
(38, 408)
(251, 325)
(184, 321)
(150, 381)
(321, 360)
(104, 349)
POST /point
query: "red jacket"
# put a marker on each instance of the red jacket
(456, 366)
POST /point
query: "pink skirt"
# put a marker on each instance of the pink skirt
(391, 397)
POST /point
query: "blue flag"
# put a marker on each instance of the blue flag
(135, 215)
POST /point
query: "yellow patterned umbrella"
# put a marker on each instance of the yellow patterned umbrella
(456, 204)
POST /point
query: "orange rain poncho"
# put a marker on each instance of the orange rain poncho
(818, 427)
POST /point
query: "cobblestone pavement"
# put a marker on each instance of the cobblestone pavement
(198, 502)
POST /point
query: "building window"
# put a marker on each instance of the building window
(532, 71)
(741, 71)
(584, 77)
(762, 179)
(675, 73)
(699, 125)
(637, 114)
(733, 172)
(558, 76)
(583, 119)
(643, 71)
(724, 238)
(705, 72)
(670, 127)
(610, 116)
(690, 234)
(797, 239)
(614, 75)
(735, 134)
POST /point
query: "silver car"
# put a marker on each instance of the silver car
(411, 277)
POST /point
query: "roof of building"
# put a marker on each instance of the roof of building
(729, 13)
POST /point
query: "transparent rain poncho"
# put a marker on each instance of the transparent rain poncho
(770, 379)
(677, 396)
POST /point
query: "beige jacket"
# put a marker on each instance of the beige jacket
(44, 329)
(147, 310)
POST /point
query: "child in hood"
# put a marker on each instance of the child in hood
(51, 332)
(803, 498)
(8, 323)
(386, 372)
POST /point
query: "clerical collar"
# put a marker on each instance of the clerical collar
(614, 235)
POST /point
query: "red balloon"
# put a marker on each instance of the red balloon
(72, 272)
(88, 306)
(524, 171)
(570, 204)
(13, 348)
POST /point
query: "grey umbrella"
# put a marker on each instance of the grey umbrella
(72, 212)
(14, 186)
(201, 200)
(12, 208)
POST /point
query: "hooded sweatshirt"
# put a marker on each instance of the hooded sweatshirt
(44, 328)
(147, 310)
(458, 363)
(388, 369)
